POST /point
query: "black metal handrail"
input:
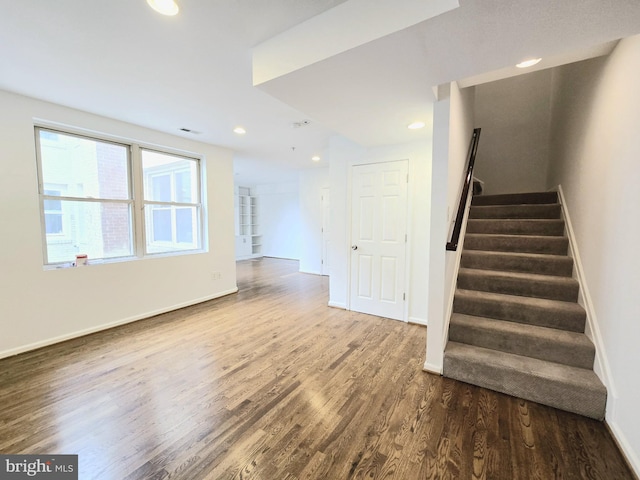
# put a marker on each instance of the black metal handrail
(473, 148)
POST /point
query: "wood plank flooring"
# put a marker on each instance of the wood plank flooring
(272, 384)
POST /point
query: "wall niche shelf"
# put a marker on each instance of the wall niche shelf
(248, 237)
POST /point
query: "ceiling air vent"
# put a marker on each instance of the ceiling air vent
(301, 123)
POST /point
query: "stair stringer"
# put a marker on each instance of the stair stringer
(452, 265)
(453, 271)
(592, 331)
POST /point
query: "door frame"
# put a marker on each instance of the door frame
(409, 225)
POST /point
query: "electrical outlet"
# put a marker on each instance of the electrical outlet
(216, 275)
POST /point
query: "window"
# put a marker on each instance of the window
(90, 204)
(170, 202)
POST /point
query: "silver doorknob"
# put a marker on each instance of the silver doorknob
(354, 247)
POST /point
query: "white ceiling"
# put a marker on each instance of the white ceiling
(372, 92)
(120, 59)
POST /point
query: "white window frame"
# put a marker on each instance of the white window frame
(173, 206)
(136, 195)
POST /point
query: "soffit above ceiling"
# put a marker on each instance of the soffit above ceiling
(370, 92)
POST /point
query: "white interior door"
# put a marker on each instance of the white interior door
(326, 264)
(378, 238)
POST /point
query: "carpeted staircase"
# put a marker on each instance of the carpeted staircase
(516, 325)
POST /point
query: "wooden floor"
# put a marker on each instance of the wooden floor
(272, 384)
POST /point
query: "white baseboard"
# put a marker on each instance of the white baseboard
(627, 450)
(106, 326)
(435, 369)
(341, 305)
(601, 364)
(419, 321)
(310, 272)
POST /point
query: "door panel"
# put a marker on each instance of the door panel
(367, 212)
(390, 219)
(365, 276)
(388, 288)
(378, 238)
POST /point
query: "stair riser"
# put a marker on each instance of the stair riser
(517, 227)
(516, 199)
(522, 287)
(561, 266)
(523, 385)
(516, 212)
(495, 339)
(511, 342)
(516, 312)
(524, 244)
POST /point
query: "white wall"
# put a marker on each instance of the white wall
(312, 182)
(596, 158)
(461, 125)
(343, 155)
(279, 219)
(514, 115)
(452, 131)
(40, 306)
(342, 152)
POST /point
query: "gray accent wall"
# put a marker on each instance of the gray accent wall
(514, 115)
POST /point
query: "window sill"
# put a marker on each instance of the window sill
(107, 261)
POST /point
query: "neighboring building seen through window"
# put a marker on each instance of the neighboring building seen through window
(89, 203)
(53, 212)
(92, 213)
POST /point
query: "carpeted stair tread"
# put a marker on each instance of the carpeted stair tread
(516, 198)
(559, 265)
(533, 311)
(550, 227)
(515, 211)
(516, 326)
(550, 344)
(569, 388)
(514, 283)
(517, 243)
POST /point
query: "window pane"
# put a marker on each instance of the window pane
(171, 228)
(90, 168)
(52, 192)
(53, 223)
(52, 205)
(99, 229)
(183, 187)
(162, 224)
(161, 188)
(169, 178)
(184, 225)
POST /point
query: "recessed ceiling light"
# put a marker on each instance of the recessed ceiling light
(415, 125)
(528, 63)
(315, 158)
(239, 130)
(165, 7)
